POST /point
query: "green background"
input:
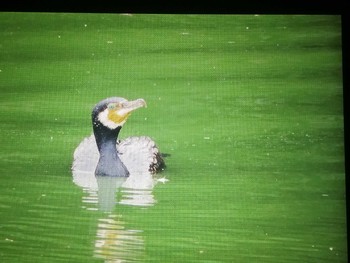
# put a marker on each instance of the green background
(249, 107)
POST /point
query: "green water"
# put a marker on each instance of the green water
(249, 107)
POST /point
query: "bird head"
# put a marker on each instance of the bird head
(113, 112)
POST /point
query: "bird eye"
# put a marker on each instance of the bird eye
(112, 106)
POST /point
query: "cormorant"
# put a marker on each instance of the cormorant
(116, 158)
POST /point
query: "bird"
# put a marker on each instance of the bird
(107, 156)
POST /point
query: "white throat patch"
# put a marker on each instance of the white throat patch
(103, 118)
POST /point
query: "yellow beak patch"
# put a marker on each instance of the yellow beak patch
(116, 118)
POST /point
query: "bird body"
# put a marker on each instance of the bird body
(103, 155)
(138, 154)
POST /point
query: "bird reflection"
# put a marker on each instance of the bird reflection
(115, 243)
(107, 188)
(104, 192)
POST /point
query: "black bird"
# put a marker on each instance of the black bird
(114, 158)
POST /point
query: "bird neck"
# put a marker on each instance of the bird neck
(109, 163)
(106, 138)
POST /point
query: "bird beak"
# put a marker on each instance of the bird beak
(129, 106)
